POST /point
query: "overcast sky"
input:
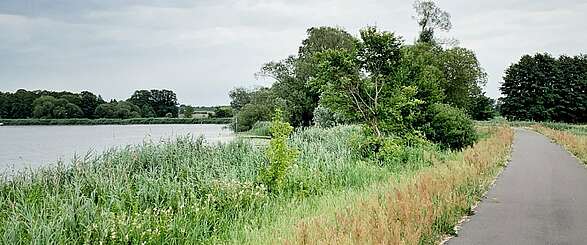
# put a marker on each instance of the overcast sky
(201, 49)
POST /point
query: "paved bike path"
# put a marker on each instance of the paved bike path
(540, 198)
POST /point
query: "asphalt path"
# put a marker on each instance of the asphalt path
(540, 198)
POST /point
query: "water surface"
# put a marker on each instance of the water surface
(32, 146)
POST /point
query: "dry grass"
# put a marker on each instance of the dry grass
(576, 144)
(417, 209)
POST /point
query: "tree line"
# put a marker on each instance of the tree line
(544, 88)
(377, 79)
(425, 72)
(62, 105)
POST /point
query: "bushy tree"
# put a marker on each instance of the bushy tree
(361, 84)
(263, 104)
(223, 112)
(482, 108)
(280, 155)
(188, 111)
(325, 118)
(89, 102)
(292, 74)
(121, 110)
(544, 88)
(160, 101)
(48, 107)
(463, 74)
(449, 126)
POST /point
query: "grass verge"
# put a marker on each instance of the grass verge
(573, 138)
(416, 208)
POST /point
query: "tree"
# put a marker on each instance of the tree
(160, 102)
(544, 88)
(239, 98)
(292, 74)
(223, 112)
(463, 76)
(121, 110)
(188, 111)
(263, 104)
(49, 107)
(89, 102)
(362, 84)
(430, 18)
(482, 108)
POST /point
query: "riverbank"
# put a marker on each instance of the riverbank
(184, 190)
(105, 121)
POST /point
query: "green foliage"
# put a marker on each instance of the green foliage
(113, 121)
(50, 107)
(262, 105)
(280, 155)
(188, 112)
(463, 76)
(544, 88)
(292, 74)
(361, 85)
(261, 128)
(160, 101)
(121, 110)
(186, 190)
(482, 108)
(20, 105)
(450, 127)
(326, 118)
(223, 111)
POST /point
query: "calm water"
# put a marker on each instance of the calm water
(31, 146)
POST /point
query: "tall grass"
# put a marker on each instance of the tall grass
(413, 209)
(186, 191)
(572, 137)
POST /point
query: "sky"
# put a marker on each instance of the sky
(202, 49)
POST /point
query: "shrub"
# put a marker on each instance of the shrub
(261, 128)
(326, 118)
(280, 155)
(450, 127)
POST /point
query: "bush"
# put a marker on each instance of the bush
(261, 128)
(281, 156)
(450, 127)
(326, 118)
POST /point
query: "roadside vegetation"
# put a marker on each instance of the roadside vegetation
(572, 137)
(185, 190)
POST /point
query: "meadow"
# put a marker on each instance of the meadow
(187, 191)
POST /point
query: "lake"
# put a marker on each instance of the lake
(32, 146)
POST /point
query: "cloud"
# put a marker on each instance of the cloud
(204, 48)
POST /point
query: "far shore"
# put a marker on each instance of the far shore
(109, 121)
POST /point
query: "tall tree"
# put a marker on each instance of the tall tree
(463, 74)
(361, 84)
(430, 18)
(544, 88)
(89, 102)
(292, 74)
